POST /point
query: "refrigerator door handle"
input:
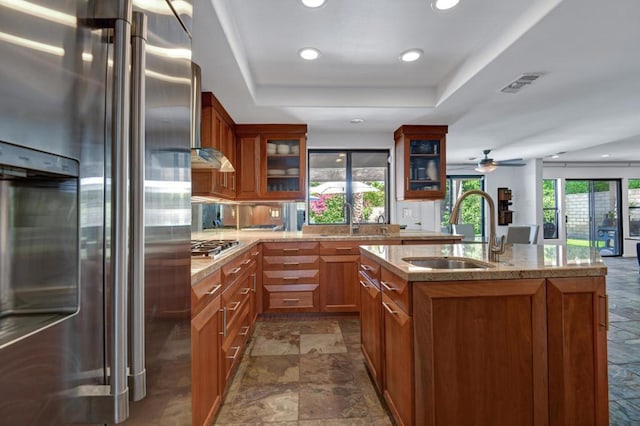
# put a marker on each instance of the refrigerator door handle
(119, 389)
(137, 371)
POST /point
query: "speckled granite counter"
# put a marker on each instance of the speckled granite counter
(518, 261)
(202, 266)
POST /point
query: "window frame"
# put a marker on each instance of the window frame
(449, 200)
(556, 208)
(348, 182)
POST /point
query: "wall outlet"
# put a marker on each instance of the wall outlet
(406, 212)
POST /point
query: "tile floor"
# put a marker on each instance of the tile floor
(305, 371)
(623, 287)
(309, 371)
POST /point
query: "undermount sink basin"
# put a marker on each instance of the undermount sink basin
(446, 263)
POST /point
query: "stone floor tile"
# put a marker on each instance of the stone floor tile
(331, 401)
(288, 344)
(261, 404)
(272, 369)
(328, 326)
(321, 368)
(322, 343)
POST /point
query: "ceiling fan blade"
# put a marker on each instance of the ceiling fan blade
(511, 160)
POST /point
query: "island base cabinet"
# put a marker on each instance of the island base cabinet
(339, 288)
(398, 361)
(577, 308)
(480, 353)
(371, 329)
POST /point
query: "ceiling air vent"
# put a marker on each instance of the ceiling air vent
(520, 82)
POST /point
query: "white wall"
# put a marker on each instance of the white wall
(604, 171)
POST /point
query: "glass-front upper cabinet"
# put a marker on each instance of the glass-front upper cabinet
(420, 162)
(285, 166)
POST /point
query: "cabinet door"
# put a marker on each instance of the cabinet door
(339, 286)
(284, 167)
(398, 362)
(481, 353)
(420, 162)
(577, 351)
(248, 170)
(205, 363)
(371, 329)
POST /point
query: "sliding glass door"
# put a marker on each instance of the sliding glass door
(593, 214)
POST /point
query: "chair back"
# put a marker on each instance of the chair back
(465, 229)
(522, 234)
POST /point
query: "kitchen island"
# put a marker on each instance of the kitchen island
(521, 341)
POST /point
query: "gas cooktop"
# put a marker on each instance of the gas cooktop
(211, 248)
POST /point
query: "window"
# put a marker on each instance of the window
(550, 208)
(472, 209)
(634, 207)
(357, 177)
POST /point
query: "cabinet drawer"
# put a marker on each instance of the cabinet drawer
(270, 263)
(290, 249)
(243, 262)
(338, 247)
(303, 276)
(395, 289)
(204, 291)
(301, 297)
(234, 342)
(370, 270)
(234, 297)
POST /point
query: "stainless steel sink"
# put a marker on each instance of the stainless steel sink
(447, 263)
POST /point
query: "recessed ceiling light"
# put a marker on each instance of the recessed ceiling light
(411, 55)
(309, 53)
(555, 156)
(357, 120)
(444, 4)
(313, 3)
(604, 155)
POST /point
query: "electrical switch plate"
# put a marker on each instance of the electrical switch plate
(406, 212)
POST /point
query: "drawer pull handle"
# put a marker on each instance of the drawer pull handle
(388, 308)
(255, 280)
(291, 250)
(235, 306)
(237, 348)
(365, 267)
(386, 286)
(290, 300)
(246, 262)
(245, 331)
(224, 322)
(245, 291)
(291, 263)
(213, 290)
(363, 284)
(235, 270)
(344, 248)
(255, 253)
(605, 300)
(291, 278)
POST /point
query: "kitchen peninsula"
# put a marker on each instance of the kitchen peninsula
(519, 341)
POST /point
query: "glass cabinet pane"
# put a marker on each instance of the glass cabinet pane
(283, 165)
(424, 165)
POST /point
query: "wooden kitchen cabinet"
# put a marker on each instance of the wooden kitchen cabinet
(218, 132)
(206, 388)
(371, 339)
(398, 361)
(290, 279)
(339, 284)
(420, 153)
(578, 385)
(276, 153)
(481, 352)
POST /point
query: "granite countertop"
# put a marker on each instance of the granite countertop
(518, 261)
(203, 266)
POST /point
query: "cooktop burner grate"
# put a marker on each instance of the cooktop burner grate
(211, 248)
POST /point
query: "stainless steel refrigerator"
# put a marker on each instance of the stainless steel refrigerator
(95, 108)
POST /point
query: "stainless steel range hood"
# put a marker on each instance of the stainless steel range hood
(203, 158)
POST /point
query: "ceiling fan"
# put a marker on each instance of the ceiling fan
(487, 164)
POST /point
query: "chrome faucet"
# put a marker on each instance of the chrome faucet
(348, 211)
(384, 228)
(496, 247)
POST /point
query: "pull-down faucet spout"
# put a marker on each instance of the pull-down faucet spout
(496, 247)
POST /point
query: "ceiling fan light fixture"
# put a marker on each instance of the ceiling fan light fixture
(411, 55)
(313, 3)
(486, 167)
(444, 4)
(309, 53)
